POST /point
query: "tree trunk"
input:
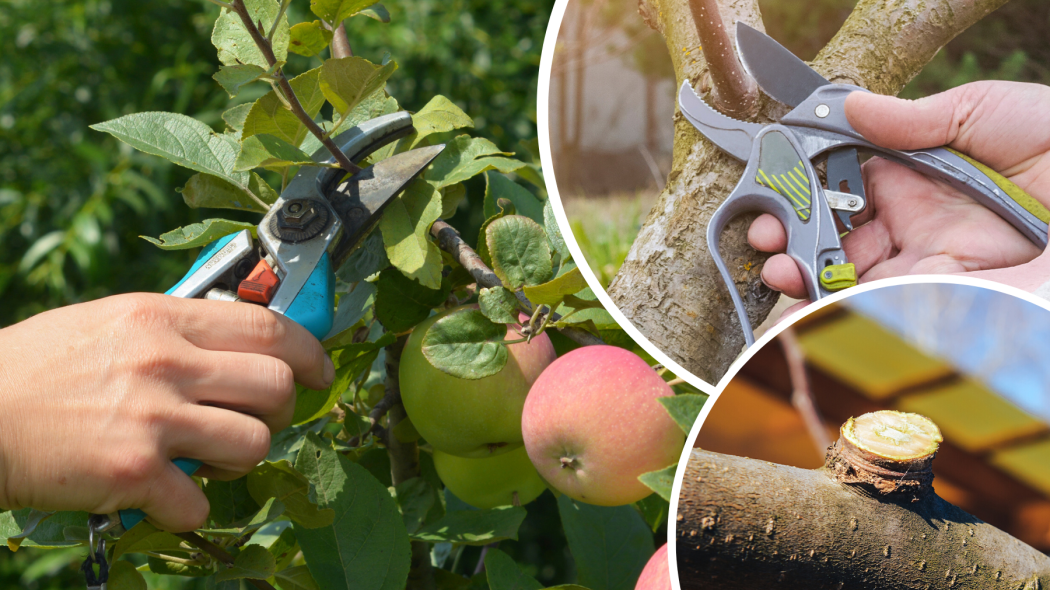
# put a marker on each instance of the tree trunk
(668, 285)
(745, 524)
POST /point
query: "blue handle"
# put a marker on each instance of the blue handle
(313, 308)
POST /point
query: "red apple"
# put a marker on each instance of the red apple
(656, 575)
(471, 417)
(592, 424)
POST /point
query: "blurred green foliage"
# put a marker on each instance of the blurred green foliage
(73, 201)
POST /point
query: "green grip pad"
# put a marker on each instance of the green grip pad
(780, 169)
(1012, 190)
(836, 277)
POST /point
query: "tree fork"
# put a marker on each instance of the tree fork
(868, 519)
(404, 463)
(668, 285)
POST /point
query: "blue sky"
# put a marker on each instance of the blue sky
(1000, 339)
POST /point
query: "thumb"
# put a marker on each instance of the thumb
(901, 124)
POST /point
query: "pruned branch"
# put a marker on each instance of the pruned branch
(220, 554)
(340, 43)
(449, 240)
(289, 94)
(734, 91)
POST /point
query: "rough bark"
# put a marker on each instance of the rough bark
(668, 285)
(744, 524)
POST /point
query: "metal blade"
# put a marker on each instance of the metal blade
(360, 200)
(778, 72)
(734, 137)
(844, 175)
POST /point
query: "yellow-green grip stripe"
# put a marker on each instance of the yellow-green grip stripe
(1012, 190)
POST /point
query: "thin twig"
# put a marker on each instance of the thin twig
(801, 395)
(450, 241)
(220, 554)
(735, 92)
(293, 100)
(276, 21)
(391, 398)
(480, 567)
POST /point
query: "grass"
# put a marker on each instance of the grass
(605, 228)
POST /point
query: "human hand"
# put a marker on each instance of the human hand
(917, 225)
(96, 399)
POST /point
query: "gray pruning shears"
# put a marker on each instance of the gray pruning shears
(311, 229)
(780, 178)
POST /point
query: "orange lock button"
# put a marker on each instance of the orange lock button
(260, 284)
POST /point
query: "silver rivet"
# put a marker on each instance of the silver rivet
(852, 202)
(822, 110)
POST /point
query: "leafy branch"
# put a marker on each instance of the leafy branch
(220, 554)
(294, 105)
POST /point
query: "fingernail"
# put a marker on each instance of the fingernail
(329, 371)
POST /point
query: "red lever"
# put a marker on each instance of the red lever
(260, 284)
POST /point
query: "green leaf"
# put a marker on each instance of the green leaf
(440, 115)
(377, 12)
(415, 497)
(284, 549)
(654, 510)
(519, 251)
(145, 538)
(197, 234)
(49, 531)
(554, 291)
(230, 501)
(311, 405)
(254, 562)
(474, 527)
(231, 78)
(576, 303)
(610, 545)
(366, 547)
(499, 305)
(466, 344)
(590, 310)
(346, 81)
(295, 578)
(334, 12)
(451, 197)
(180, 139)
(204, 190)
(309, 39)
(235, 116)
(684, 408)
(269, 115)
(367, 260)
(265, 150)
(504, 574)
(235, 44)
(352, 307)
(660, 481)
(270, 511)
(375, 105)
(124, 576)
(281, 481)
(550, 224)
(405, 226)
(33, 519)
(498, 186)
(402, 303)
(465, 157)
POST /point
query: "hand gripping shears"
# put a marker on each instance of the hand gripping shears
(780, 177)
(309, 231)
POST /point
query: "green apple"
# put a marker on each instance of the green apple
(471, 417)
(491, 481)
(593, 423)
(656, 575)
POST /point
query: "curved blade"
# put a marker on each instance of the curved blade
(360, 200)
(778, 72)
(734, 137)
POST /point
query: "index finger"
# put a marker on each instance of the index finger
(244, 327)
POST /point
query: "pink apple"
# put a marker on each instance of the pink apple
(592, 424)
(471, 417)
(656, 575)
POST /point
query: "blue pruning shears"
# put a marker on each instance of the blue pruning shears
(780, 177)
(311, 229)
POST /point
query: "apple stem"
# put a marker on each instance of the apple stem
(568, 462)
